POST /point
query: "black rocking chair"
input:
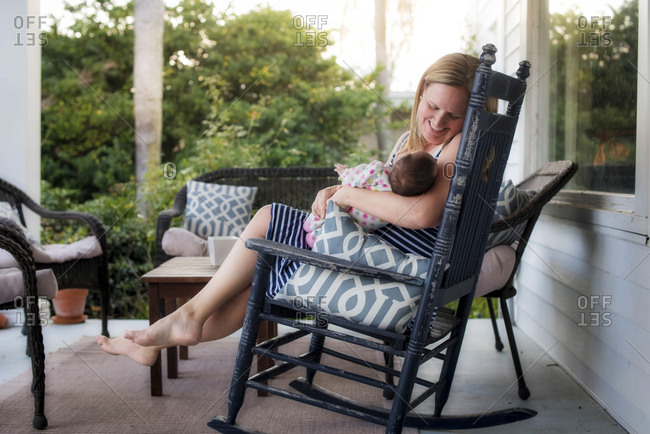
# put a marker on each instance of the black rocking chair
(437, 331)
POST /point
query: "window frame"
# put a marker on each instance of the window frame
(625, 212)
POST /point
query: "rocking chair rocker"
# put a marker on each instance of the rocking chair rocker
(437, 331)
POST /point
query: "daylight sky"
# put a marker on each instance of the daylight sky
(437, 29)
(438, 26)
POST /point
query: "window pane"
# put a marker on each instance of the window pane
(593, 81)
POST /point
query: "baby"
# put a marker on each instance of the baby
(411, 175)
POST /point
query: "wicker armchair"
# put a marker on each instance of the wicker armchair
(295, 186)
(90, 273)
(547, 181)
(13, 241)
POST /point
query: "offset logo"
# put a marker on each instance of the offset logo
(592, 31)
(309, 30)
(31, 319)
(25, 34)
(593, 311)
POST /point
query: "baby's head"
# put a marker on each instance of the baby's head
(413, 173)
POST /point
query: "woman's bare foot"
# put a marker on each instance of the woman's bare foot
(179, 328)
(123, 347)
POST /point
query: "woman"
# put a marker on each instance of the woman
(218, 309)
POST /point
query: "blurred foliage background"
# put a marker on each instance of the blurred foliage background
(593, 95)
(238, 91)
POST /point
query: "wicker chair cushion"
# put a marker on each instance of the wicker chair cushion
(85, 248)
(509, 201)
(496, 268)
(11, 284)
(181, 242)
(214, 209)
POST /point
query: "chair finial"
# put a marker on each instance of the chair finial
(488, 57)
(524, 70)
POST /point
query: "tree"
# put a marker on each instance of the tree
(274, 99)
(87, 106)
(386, 54)
(593, 83)
(243, 88)
(147, 72)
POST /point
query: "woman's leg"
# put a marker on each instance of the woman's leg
(185, 325)
(224, 321)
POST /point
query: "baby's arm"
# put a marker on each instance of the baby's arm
(339, 168)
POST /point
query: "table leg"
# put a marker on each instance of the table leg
(154, 315)
(172, 352)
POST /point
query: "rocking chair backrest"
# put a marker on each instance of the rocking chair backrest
(481, 160)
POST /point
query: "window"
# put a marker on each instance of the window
(593, 91)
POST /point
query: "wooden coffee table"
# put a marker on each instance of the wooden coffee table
(174, 282)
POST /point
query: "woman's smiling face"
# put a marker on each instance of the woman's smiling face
(441, 112)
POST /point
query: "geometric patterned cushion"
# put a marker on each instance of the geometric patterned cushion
(215, 210)
(364, 300)
(509, 201)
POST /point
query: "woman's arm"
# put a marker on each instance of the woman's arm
(319, 206)
(415, 212)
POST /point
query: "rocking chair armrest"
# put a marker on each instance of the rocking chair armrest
(328, 262)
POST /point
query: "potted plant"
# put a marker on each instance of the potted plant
(69, 305)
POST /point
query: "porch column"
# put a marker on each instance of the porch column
(21, 38)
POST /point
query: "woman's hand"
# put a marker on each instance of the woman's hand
(319, 207)
(342, 197)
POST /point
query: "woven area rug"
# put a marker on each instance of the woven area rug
(88, 391)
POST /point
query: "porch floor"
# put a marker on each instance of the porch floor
(485, 378)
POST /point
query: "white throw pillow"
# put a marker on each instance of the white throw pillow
(180, 242)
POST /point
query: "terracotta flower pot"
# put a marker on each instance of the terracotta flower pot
(69, 305)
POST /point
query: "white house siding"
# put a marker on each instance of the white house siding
(500, 23)
(584, 294)
(584, 283)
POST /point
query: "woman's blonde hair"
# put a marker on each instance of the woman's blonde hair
(454, 69)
